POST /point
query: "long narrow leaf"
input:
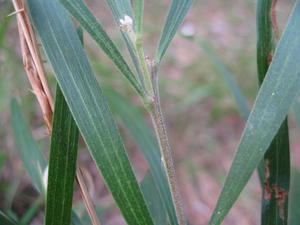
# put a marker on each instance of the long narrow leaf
(6, 220)
(62, 164)
(296, 111)
(87, 20)
(119, 9)
(31, 212)
(148, 145)
(272, 104)
(233, 87)
(88, 107)
(2, 160)
(75, 219)
(156, 206)
(277, 179)
(228, 78)
(236, 92)
(294, 209)
(277, 158)
(176, 15)
(31, 156)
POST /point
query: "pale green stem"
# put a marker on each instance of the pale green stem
(144, 66)
(139, 11)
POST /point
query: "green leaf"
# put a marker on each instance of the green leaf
(296, 111)
(88, 107)
(265, 46)
(2, 160)
(194, 96)
(6, 220)
(277, 179)
(294, 209)
(87, 20)
(277, 158)
(30, 213)
(276, 95)
(233, 87)
(30, 154)
(75, 219)
(154, 202)
(62, 164)
(235, 90)
(147, 143)
(3, 29)
(176, 15)
(119, 9)
(228, 78)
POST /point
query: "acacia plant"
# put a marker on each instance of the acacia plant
(80, 108)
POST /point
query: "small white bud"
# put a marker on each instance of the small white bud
(126, 23)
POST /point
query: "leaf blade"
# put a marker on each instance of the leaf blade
(277, 158)
(272, 103)
(119, 9)
(6, 220)
(176, 15)
(294, 209)
(83, 15)
(228, 78)
(29, 152)
(156, 206)
(62, 164)
(88, 107)
(237, 93)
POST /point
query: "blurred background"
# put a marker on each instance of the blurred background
(204, 124)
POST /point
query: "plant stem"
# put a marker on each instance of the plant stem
(138, 44)
(152, 103)
(86, 197)
(143, 63)
(139, 11)
(162, 136)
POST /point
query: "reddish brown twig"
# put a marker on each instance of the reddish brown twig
(87, 199)
(32, 63)
(274, 19)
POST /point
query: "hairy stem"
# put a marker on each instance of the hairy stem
(161, 132)
(152, 103)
